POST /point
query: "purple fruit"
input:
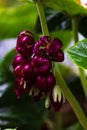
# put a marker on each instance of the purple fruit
(41, 65)
(25, 43)
(21, 87)
(45, 83)
(18, 60)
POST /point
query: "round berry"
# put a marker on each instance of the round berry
(41, 46)
(21, 87)
(45, 83)
(19, 59)
(25, 43)
(54, 50)
(41, 65)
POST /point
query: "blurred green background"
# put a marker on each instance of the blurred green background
(25, 114)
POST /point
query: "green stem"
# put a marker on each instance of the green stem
(70, 97)
(81, 71)
(42, 18)
(68, 94)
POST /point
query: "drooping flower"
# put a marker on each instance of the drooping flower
(25, 43)
(45, 83)
(19, 59)
(54, 50)
(21, 87)
(41, 65)
(40, 47)
(56, 101)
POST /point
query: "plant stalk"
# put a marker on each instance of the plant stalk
(81, 71)
(71, 98)
(42, 18)
(68, 94)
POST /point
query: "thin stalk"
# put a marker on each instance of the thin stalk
(70, 97)
(68, 94)
(42, 18)
(81, 71)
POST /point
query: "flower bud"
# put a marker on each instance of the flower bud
(41, 65)
(45, 83)
(55, 52)
(25, 43)
(28, 72)
(40, 47)
(21, 87)
(18, 71)
(19, 59)
(56, 99)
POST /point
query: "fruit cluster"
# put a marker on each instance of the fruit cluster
(33, 66)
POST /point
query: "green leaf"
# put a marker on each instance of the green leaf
(20, 18)
(78, 53)
(6, 71)
(71, 7)
(24, 112)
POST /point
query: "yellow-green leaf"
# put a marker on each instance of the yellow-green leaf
(71, 7)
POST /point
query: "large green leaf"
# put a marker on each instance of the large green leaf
(6, 73)
(72, 7)
(78, 53)
(16, 19)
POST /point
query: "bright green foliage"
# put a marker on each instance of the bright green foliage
(78, 53)
(16, 19)
(71, 7)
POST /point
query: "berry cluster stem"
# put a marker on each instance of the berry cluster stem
(70, 97)
(68, 94)
(42, 18)
(81, 71)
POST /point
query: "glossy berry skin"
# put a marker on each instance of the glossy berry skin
(45, 83)
(40, 47)
(25, 70)
(25, 43)
(41, 65)
(55, 52)
(28, 73)
(19, 59)
(21, 87)
(18, 71)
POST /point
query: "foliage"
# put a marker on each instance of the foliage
(78, 53)
(20, 15)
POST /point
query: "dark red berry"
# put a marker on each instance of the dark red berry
(18, 71)
(25, 70)
(55, 45)
(28, 72)
(45, 83)
(41, 65)
(25, 43)
(40, 47)
(21, 87)
(19, 59)
(57, 56)
(55, 52)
